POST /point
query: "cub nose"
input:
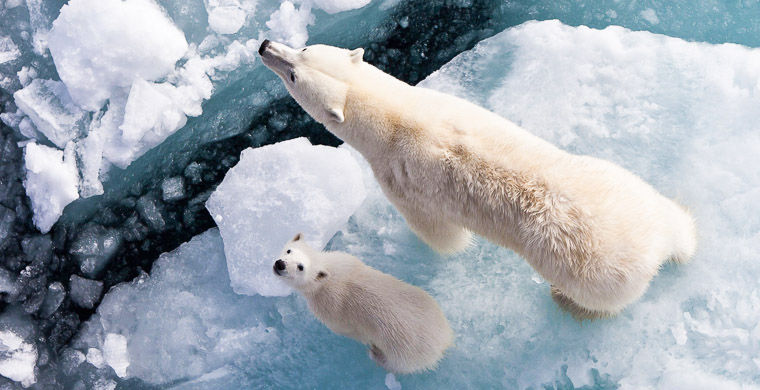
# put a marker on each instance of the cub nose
(279, 265)
(263, 46)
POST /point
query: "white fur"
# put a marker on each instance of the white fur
(597, 232)
(402, 324)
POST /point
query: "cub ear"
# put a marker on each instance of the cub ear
(357, 55)
(297, 237)
(336, 114)
(321, 275)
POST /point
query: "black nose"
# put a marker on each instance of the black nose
(263, 46)
(279, 265)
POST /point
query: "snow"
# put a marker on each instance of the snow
(100, 46)
(51, 109)
(17, 358)
(51, 182)
(275, 192)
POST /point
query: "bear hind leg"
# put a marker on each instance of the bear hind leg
(578, 312)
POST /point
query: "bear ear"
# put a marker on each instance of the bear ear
(297, 237)
(321, 275)
(336, 115)
(357, 55)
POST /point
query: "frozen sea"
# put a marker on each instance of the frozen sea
(151, 168)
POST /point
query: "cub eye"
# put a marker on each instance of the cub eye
(292, 77)
(300, 267)
(288, 251)
(304, 49)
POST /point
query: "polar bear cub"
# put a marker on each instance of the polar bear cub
(596, 232)
(403, 326)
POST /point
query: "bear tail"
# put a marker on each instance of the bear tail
(685, 240)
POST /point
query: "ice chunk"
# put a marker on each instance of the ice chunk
(150, 213)
(173, 188)
(335, 6)
(650, 16)
(182, 321)
(53, 299)
(391, 383)
(226, 19)
(150, 116)
(288, 24)
(115, 353)
(8, 50)
(85, 292)
(97, 49)
(7, 217)
(51, 182)
(94, 247)
(50, 107)
(17, 358)
(275, 192)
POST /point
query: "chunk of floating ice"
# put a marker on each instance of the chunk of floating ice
(96, 47)
(51, 109)
(182, 321)
(173, 188)
(275, 192)
(85, 292)
(391, 382)
(226, 19)
(51, 182)
(335, 6)
(17, 358)
(288, 24)
(8, 50)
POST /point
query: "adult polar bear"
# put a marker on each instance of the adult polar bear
(595, 231)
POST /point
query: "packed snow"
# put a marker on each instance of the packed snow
(275, 192)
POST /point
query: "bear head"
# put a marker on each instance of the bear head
(317, 76)
(298, 266)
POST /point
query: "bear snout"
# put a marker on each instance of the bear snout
(278, 266)
(263, 46)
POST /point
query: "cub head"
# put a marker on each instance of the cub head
(297, 266)
(316, 76)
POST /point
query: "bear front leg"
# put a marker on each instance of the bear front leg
(444, 237)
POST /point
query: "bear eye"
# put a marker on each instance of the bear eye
(304, 49)
(300, 267)
(287, 251)
(293, 77)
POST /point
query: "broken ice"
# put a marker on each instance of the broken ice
(275, 192)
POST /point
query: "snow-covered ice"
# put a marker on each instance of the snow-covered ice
(103, 45)
(51, 182)
(275, 192)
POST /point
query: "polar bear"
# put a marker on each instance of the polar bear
(403, 325)
(595, 231)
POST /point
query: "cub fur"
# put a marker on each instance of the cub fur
(403, 326)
